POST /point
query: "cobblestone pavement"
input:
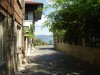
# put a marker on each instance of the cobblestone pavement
(47, 61)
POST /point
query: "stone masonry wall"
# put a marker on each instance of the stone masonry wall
(12, 12)
(8, 63)
(89, 54)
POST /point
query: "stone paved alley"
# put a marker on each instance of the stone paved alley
(47, 61)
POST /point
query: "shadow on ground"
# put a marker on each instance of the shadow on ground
(46, 48)
(59, 64)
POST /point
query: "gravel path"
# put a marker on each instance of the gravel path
(47, 61)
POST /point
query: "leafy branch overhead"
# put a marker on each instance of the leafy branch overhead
(75, 18)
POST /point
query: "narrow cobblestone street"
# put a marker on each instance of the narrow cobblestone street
(47, 61)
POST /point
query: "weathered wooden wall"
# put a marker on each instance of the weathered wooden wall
(14, 8)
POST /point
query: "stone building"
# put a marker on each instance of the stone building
(32, 14)
(11, 27)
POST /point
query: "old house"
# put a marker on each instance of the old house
(32, 14)
(11, 27)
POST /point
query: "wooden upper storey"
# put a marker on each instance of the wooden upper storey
(14, 8)
(32, 6)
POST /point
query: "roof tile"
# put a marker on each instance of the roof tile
(32, 2)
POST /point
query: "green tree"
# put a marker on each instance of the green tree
(30, 31)
(39, 42)
(75, 19)
(50, 42)
(30, 34)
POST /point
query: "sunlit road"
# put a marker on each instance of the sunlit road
(47, 61)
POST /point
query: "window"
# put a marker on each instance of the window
(26, 15)
(19, 36)
(1, 43)
(26, 28)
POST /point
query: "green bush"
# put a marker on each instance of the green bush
(39, 42)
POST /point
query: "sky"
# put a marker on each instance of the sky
(39, 29)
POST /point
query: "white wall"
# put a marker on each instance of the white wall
(30, 19)
(28, 22)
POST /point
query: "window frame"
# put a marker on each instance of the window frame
(26, 28)
(26, 15)
(1, 51)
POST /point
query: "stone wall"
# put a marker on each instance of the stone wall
(3, 69)
(89, 54)
(9, 64)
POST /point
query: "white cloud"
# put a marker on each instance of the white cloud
(40, 22)
(39, 29)
(48, 1)
(42, 31)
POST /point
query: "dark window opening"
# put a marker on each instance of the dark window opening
(26, 15)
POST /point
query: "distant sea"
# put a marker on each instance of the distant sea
(46, 38)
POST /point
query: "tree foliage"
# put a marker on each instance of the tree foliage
(30, 31)
(39, 42)
(73, 19)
